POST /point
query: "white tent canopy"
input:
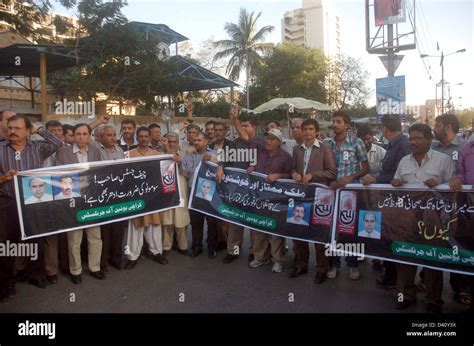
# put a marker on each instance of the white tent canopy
(297, 104)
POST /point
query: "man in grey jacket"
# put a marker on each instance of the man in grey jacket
(81, 152)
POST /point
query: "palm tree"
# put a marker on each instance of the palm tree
(244, 46)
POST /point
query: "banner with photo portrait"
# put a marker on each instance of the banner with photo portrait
(415, 225)
(283, 208)
(65, 198)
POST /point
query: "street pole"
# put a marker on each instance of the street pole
(442, 82)
(390, 54)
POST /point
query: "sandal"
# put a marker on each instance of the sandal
(462, 298)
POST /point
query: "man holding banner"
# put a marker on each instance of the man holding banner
(398, 147)
(352, 164)
(276, 164)
(81, 152)
(313, 161)
(200, 152)
(19, 153)
(147, 226)
(465, 175)
(431, 168)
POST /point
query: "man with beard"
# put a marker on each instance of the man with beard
(148, 226)
(445, 130)
(209, 128)
(190, 164)
(128, 141)
(465, 175)
(375, 153)
(175, 221)
(431, 168)
(68, 134)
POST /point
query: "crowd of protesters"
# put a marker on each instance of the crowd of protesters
(349, 156)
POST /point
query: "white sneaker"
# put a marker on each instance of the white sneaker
(332, 273)
(256, 263)
(354, 273)
(277, 268)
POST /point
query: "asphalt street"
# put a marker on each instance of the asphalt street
(203, 285)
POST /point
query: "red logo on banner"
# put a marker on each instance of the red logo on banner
(323, 207)
(168, 176)
(346, 223)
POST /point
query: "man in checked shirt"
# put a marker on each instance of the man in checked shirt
(19, 153)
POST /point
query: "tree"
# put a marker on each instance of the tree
(347, 83)
(244, 47)
(465, 117)
(28, 12)
(304, 69)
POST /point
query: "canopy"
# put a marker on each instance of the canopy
(299, 104)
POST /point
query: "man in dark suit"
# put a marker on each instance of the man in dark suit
(313, 161)
(81, 152)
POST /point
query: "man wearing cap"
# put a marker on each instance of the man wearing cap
(276, 164)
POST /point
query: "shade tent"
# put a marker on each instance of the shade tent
(298, 104)
(24, 59)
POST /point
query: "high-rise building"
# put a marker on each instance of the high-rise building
(314, 26)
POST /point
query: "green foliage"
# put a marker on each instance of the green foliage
(245, 46)
(290, 71)
(465, 117)
(347, 83)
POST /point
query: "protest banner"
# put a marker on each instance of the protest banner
(65, 198)
(413, 224)
(283, 208)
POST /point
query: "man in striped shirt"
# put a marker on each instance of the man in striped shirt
(19, 153)
(352, 164)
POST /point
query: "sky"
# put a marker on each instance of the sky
(448, 23)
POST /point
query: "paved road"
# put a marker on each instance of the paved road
(209, 285)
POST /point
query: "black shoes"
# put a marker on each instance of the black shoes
(7, 293)
(118, 266)
(21, 275)
(222, 245)
(229, 258)
(52, 279)
(182, 252)
(76, 279)
(99, 275)
(130, 264)
(386, 282)
(405, 304)
(320, 277)
(212, 253)
(38, 283)
(195, 252)
(251, 257)
(297, 272)
(160, 259)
